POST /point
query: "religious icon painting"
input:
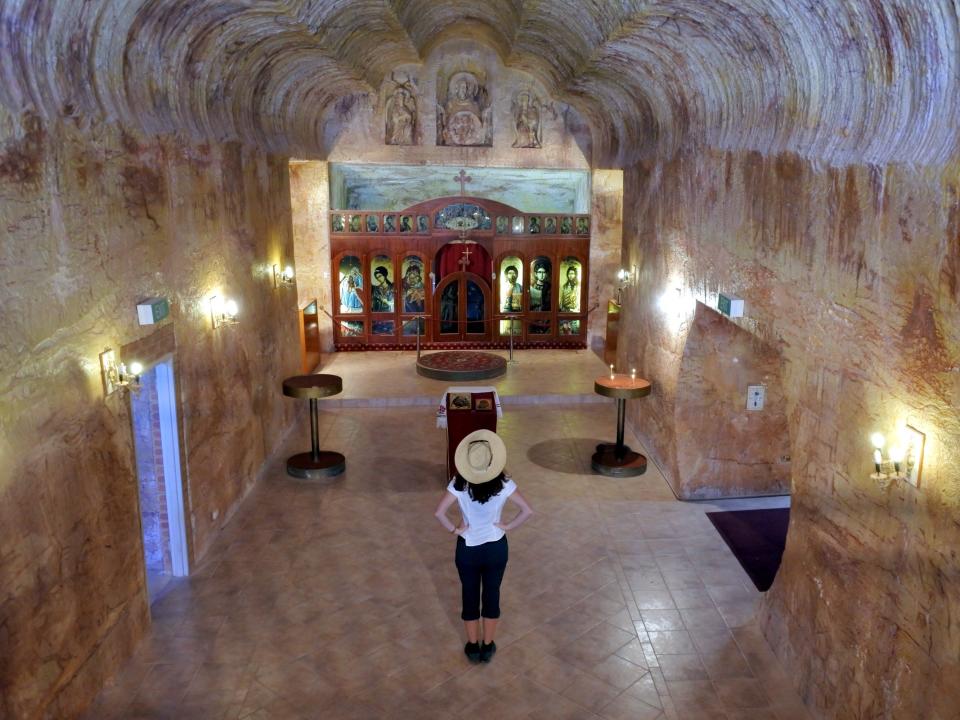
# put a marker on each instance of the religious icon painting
(569, 327)
(383, 327)
(502, 225)
(373, 223)
(351, 328)
(507, 325)
(414, 294)
(518, 225)
(539, 291)
(566, 225)
(350, 285)
(355, 223)
(583, 225)
(534, 225)
(539, 327)
(406, 223)
(337, 223)
(550, 225)
(511, 284)
(459, 401)
(484, 404)
(570, 274)
(381, 284)
(423, 223)
(412, 328)
(390, 223)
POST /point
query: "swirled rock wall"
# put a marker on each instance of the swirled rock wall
(94, 220)
(845, 81)
(854, 275)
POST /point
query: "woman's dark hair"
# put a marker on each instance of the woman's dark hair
(480, 492)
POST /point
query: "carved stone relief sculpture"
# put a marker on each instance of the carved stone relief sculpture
(526, 120)
(464, 116)
(400, 115)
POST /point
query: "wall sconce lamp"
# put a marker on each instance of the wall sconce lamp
(905, 458)
(117, 376)
(223, 311)
(282, 277)
(624, 277)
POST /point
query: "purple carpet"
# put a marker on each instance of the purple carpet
(757, 538)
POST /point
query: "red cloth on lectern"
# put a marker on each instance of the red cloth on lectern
(461, 423)
(448, 260)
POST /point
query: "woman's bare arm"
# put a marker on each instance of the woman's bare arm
(440, 513)
(525, 512)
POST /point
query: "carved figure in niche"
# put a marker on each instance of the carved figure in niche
(464, 116)
(401, 115)
(526, 121)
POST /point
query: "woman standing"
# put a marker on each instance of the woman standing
(481, 489)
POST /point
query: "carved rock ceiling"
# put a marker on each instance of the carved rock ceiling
(840, 80)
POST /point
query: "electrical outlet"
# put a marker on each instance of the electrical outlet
(756, 394)
(784, 458)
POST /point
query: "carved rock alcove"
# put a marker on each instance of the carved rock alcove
(724, 449)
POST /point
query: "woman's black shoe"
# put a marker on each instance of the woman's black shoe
(487, 651)
(472, 651)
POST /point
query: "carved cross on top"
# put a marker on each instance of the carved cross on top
(465, 255)
(463, 179)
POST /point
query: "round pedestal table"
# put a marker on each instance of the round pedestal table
(317, 463)
(616, 459)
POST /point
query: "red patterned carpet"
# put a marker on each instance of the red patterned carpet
(461, 365)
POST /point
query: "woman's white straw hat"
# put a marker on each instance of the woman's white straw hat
(480, 456)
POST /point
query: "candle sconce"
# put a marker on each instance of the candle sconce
(117, 376)
(904, 461)
(282, 277)
(223, 311)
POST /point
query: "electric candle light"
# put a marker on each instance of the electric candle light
(896, 454)
(877, 441)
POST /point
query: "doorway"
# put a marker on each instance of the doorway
(154, 414)
(462, 308)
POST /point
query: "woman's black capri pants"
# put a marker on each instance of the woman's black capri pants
(481, 569)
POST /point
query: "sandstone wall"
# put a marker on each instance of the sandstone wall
(94, 220)
(853, 275)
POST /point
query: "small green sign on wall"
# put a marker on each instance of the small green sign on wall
(730, 305)
(152, 310)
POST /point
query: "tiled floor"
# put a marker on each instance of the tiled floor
(340, 599)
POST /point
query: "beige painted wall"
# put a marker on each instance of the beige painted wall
(854, 274)
(95, 220)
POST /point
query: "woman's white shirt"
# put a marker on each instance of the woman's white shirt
(480, 517)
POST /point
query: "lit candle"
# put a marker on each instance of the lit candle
(633, 373)
(121, 371)
(877, 459)
(611, 372)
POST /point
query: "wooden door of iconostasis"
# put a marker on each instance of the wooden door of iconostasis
(462, 306)
(462, 309)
